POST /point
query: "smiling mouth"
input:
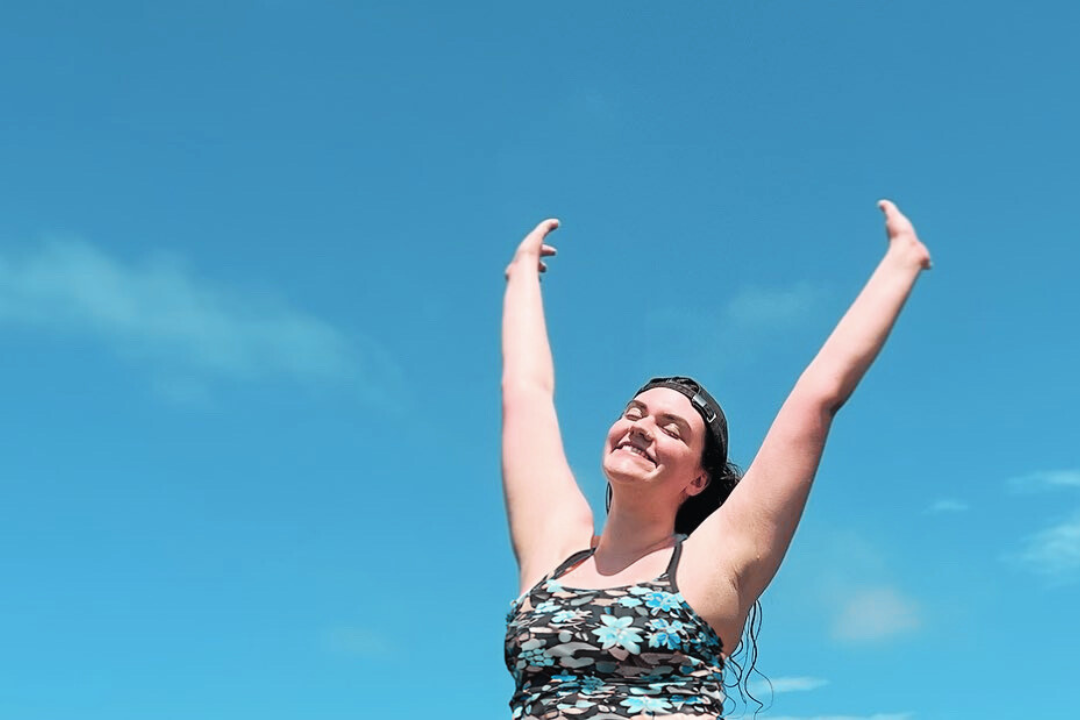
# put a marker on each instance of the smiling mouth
(636, 451)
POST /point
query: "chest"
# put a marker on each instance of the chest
(586, 574)
(611, 648)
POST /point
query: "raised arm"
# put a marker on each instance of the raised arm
(759, 519)
(549, 516)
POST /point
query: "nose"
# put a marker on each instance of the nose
(638, 427)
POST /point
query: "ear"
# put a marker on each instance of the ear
(698, 484)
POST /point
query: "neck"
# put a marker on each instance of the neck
(629, 535)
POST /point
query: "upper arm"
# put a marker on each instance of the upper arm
(756, 523)
(549, 516)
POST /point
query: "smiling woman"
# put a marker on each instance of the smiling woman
(633, 622)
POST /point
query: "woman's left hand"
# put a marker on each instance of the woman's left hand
(902, 238)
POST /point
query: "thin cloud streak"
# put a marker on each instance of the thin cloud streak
(157, 313)
(946, 505)
(1045, 480)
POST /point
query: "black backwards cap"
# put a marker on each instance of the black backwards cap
(703, 402)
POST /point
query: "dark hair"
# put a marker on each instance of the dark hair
(723, 477)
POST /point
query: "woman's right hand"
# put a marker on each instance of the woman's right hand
(533, 248)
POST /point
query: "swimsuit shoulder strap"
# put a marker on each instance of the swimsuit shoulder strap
(673, 564)
(571, 561)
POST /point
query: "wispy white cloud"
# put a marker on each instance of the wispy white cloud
(1053, 552)
(1045, 480)
(771, 307)
(946, 505)
(875, 613)
(848, 580)
(875, 716)
(787, 684)
(158, 314)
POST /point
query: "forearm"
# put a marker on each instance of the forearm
(858, 338)
(527, 362)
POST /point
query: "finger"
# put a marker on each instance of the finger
(889, 208)
(546, 226)
(547, 250)
(543, 267)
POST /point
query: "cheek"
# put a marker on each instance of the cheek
(682, 456)
(612, 437)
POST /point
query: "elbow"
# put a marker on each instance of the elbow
(832, 399)
(822, 395)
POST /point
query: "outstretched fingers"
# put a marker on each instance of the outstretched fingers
(533, 247)
(534, 241)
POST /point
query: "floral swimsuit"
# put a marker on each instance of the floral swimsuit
(634, 651)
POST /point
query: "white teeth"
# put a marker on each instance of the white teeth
(636, 450)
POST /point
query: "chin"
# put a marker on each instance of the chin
(617, 468)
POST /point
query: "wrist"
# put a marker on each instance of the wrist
(909, 256)
(522, 267)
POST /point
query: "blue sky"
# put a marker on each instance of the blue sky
(251, 262)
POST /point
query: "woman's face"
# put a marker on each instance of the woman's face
(657, 442)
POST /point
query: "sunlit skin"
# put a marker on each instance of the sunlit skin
(652, 456)
(652, 453)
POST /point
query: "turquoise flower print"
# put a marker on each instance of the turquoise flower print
(532, 653)
(565, 616)
(628, 601)
(537, 658)
(591, 684)
(640, 590)
(666, 635)
(661, 601)
(565, 679)
(617, 632)
(646, 704)
(553, 586)
(548, 606)
(681, 700)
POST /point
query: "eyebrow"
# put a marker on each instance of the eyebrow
(683, 424)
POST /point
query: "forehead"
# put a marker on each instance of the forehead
(672, 402)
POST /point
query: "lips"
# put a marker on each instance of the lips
(639, 451)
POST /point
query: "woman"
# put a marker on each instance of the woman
(638, 621)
